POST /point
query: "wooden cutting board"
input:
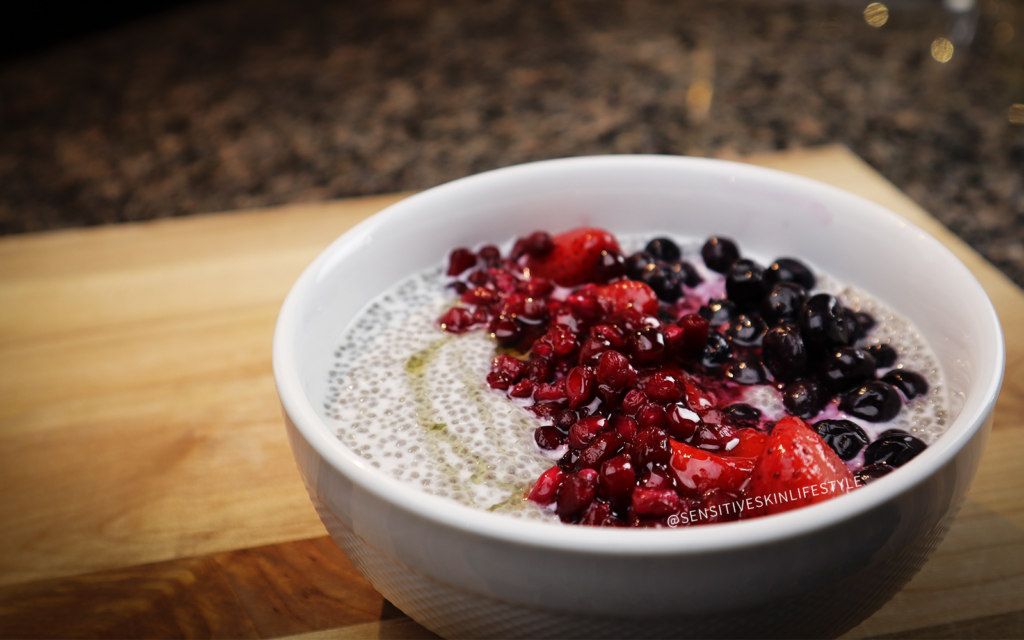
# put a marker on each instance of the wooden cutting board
(148, 489)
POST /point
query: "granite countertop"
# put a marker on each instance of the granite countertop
(224, 105)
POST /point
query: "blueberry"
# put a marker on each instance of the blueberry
(845, 437)
(789, 270)
(784, 352)
(894, 448)
(718, 312)
(804, 398)
(783, 302)
(823, 322)
(610, 266)
(865, 323)
(716, 352)
(911, 383)
(719, 254)
(884, 355)
(746, 370)
(742, 415)
(875, 401)
(871, 472)
(663, 249)
(746, 332)
(845, 368)
(689, 274)
(667, 284)
(744, 284)
(638, 263)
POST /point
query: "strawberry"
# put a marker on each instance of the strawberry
(751, 444)
(626, 294)
(795, 469)
(698, 471)
(575, 254)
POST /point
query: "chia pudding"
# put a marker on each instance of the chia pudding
(431, 388)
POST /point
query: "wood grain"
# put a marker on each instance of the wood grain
(278, 590)
(148, 489)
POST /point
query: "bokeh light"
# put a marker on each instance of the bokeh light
(942, 49)
(876, 14)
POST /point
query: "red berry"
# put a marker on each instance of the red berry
(682, 422)
(572, 259)
(580, 386)
(576, 493)
(609, 333)
(616, 480)
(655, 502)
(456, 320)
(505, 331)
(584, 306)
(585, 430)
(646, 347)
(592, 349)
(522, 389)
(664, 387)
(633, 401)
(460, 260)
(651, 446)
(545, 490)
(490, 255)
(652, 415)
(614, 370)
(695, 335)
(605, 445)
(547, 438)
(550, 392)
(624, 426)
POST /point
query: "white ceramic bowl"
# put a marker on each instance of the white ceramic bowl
(816, 571)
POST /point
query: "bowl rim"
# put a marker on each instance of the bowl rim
(608, 541)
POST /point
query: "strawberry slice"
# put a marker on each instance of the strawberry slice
(698, 471)
(625, 294)
(575, 253)
(751, 444)
(795, 469)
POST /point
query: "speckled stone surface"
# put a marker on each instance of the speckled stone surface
(224, 105)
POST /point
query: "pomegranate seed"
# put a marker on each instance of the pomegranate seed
(580, 386)
(657, 503)
(629, 318)
(651, 446)
(585, 430)
(565, 418)
(561, 338)
(456, 320)
(591, 350)
(616, 480)
(698, 398)
(646, 346)
(480, 296)
(652, 415)
(539, 370)
(583, 306)
(682, 422)
(522, 389)
(479, 278)
(624, 426)
(534, 310)
(545, 490)
(459, 287)
(499, 380)
(537, 287)
(664, 387)
(460, 260)
(602, 447)
(657, 477)
(695, 335)
(614, 370)
(611, 265)
(550, 392)
(611, 333)
(544, 410)
(597, 514)
(514, 367)
(567, 462)
(505, 331)
(675, 339)
(547, 437)
(576, 493)
(634, 400)
(490, 254)
(714, 436)
(611, 397)
(538, 244)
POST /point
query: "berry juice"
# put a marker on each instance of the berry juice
(427, 406)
